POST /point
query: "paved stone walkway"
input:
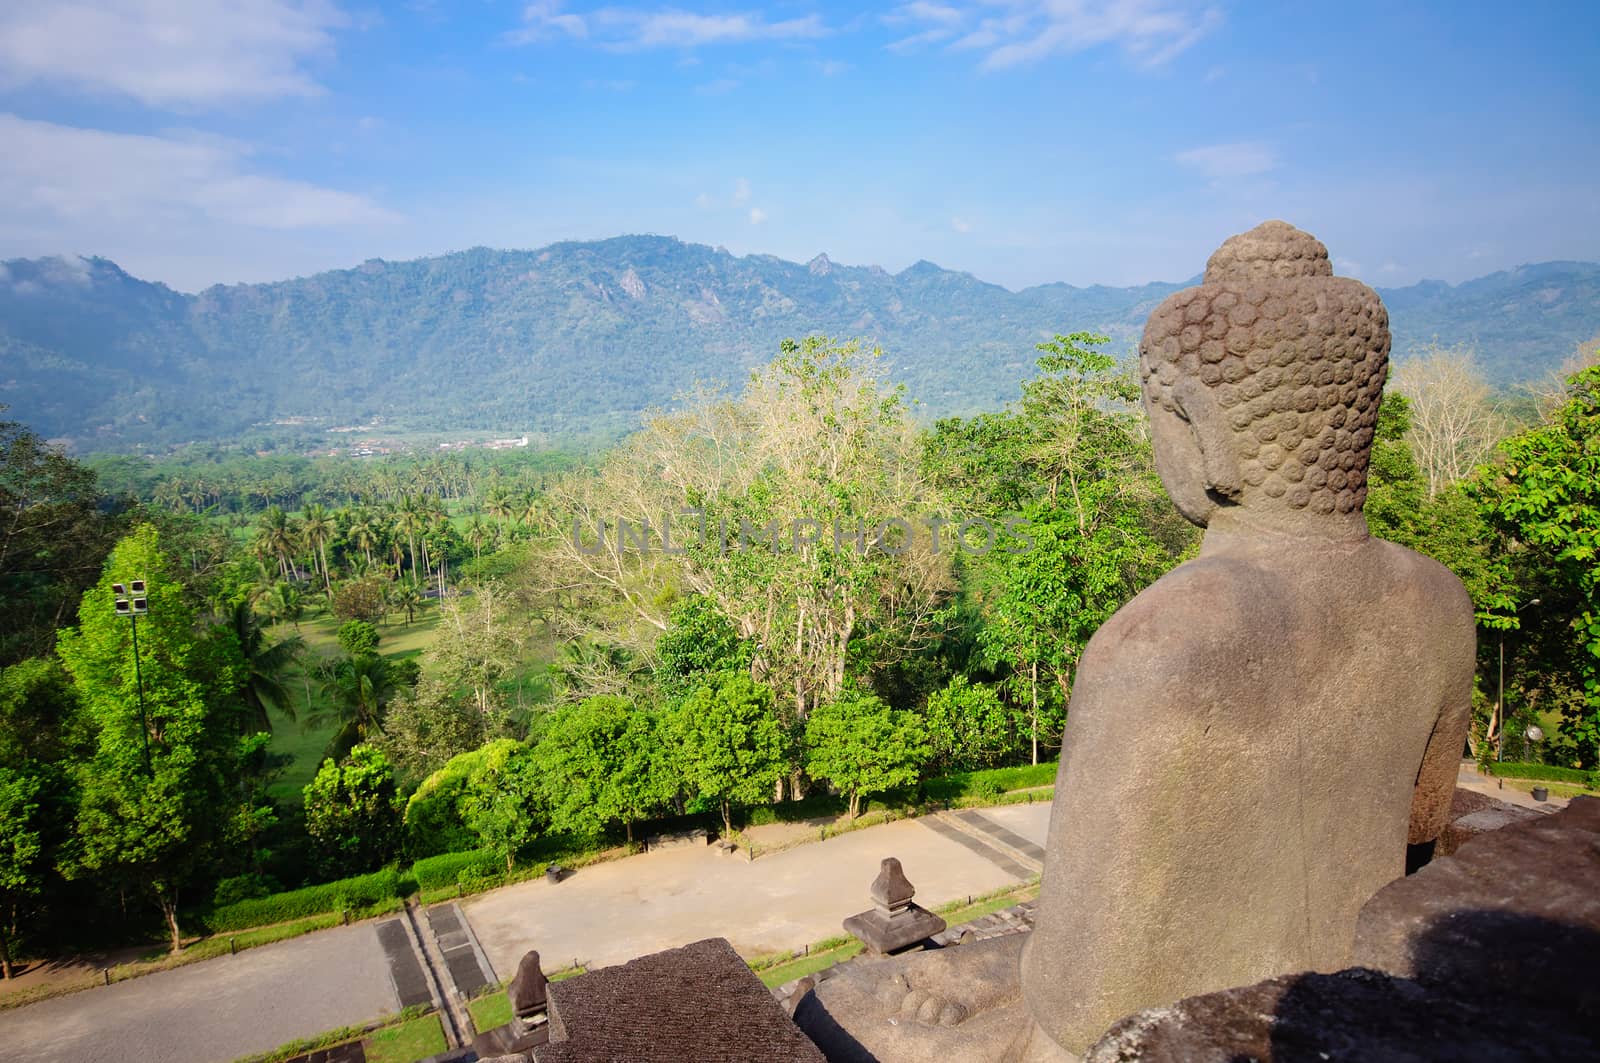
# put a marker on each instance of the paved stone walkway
(610, 913)
(214, 1011)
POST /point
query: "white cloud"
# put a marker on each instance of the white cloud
(543, 20)
(757, 215)
(169, 53)
(961, 225)
(636, 29)
(69, 180)
(1017, 32)
(1223, 161)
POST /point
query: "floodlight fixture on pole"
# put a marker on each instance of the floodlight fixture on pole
(132, 602)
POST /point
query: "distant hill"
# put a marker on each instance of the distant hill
(576, 338)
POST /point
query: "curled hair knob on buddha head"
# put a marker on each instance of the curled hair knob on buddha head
(1277, 366)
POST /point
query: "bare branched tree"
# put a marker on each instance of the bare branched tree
(1454, 423)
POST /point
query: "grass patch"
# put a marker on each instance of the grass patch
(776, 975)
(957, 912)
(1557, 789)
(489, 1011)
(493, 1008)
(343, 1034)
(406, 1042)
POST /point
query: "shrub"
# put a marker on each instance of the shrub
(448, 869)
(242, 888)
(988, 784)
(1545, 773)
(434, 818)
(361, 891)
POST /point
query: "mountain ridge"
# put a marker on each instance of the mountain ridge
(577, 337)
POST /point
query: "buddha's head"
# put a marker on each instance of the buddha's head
(1262, 384)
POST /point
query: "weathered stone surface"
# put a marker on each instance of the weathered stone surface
(699, 1002)
(1354, 1015)
(1486, 955)
(528, 992)
(1253, 740)
(885, 933)
(1510, 910)
(891, 890)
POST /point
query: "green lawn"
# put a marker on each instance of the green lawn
(408, 1042)
(490, 1011)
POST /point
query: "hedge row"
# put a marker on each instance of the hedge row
(994, 781)
(1545, 773)
(447, 869)
(346, 894)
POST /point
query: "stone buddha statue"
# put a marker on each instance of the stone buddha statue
(1253, 741)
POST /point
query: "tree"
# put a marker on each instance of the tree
(1454, 425)
(53, 539)
(423, 728)
(154, 828)
(502, 803)
(357, 637)
(477, 644)
(601, 761)
(361, 599)
(317, 526)
(862, 746)
(21, 874)
(353, 813)
(732, 747)
(969, 726)
(264, 665)
(1543, 496)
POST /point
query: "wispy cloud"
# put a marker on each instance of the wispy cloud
(1017, 32)
(88, 178)
(1223, 161)
(757, 215)
(638, 29)
(961, 225)
(718, 87)
(184, 54)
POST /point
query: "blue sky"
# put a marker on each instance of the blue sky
(1087, 141)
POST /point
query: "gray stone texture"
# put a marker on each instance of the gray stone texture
(1485, 955)
(894, 921)
(1254, 739)
(699, 1002)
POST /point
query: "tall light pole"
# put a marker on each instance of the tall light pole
(132, 603)
(1500, 698)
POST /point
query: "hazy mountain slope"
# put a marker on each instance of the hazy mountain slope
(578, 337)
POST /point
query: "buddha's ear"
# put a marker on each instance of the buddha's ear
(1218, 458)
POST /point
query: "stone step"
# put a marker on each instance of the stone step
(1014, 848)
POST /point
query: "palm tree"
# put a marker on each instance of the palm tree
(476, 533)
(276, 533)
(316, 529)
(358, 689)
(264, 664)
(409, 519)
(499, 503)
(362, 531)
(408, 598)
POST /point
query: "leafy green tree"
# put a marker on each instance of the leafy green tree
(601, 762)
(358, 637)
(53, 539)
(424, 727)
(862, 746)
(699, 641)
(363, 599)
(1544, 497)
(502, 804)
(733, 749)
(353, 813)
(156, 827)
(969, 726)
(359, 689)
(21, 872)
